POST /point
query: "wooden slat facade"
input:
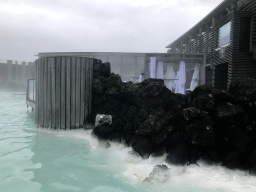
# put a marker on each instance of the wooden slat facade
(238, 54)
(63, 91)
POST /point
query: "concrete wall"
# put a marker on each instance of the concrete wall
(14, 73)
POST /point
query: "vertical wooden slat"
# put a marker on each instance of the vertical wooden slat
(73, 92)
(49, 92)
(58, 68)
(78, 90)
(68, 108)
(90, 83)
(37, 93)
(63, 96)
(82, 91)
(41, 93)
(45, 71)
(53, 69)
(86, 105)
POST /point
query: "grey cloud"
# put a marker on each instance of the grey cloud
(90, 27)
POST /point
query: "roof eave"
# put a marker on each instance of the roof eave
(205, 20)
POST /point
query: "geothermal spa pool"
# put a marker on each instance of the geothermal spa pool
(42, 160)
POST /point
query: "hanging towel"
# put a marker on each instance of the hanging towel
(195, 78)
(170, 74)
(160, 70)
(152, 67)
(181, 76)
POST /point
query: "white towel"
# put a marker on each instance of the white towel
(181, 76)
(195, 79)
(170, 74)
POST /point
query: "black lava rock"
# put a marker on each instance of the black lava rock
(193, 113)
(142, 146)
(177, 149)
(103, 131)
(200, 132)
(210, 124)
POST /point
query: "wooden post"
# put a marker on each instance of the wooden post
(53, 78)
(58, 68)
(63, 94)
(45, 74)
(90, 83)
(87, 70)
(78, 90)
(82, 117)
(50, 62)
(41, 93)
(73, 92)
(37, 92)
(68, 97)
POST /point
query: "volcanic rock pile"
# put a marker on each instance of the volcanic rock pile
(214, 125)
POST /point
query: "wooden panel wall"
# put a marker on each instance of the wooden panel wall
(63, 91)
(251, 6)
(240, 62)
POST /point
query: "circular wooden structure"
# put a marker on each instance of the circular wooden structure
(63, 91)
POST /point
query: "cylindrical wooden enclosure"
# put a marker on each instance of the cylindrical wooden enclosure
(63, 91)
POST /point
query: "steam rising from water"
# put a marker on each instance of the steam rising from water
(37, 159)
(134, 170)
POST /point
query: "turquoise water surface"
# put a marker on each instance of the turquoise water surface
(43, 160)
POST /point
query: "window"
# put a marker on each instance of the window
(224, 34)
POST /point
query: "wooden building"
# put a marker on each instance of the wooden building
(227, 35)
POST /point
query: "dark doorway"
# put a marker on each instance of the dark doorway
(221, 76)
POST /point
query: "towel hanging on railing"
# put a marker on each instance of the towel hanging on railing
(181, 76)
(195, 79)
(169, 77)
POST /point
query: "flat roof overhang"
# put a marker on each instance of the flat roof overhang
(81, 54)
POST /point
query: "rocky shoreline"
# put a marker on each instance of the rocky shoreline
(214, 125)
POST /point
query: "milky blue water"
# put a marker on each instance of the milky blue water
(42, 160)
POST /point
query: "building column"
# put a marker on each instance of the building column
(16, 80)
(23, 74)
(9, 63)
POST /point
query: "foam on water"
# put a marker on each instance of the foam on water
(43, 160)
(134, 170)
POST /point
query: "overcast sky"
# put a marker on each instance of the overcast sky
(28, 27)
